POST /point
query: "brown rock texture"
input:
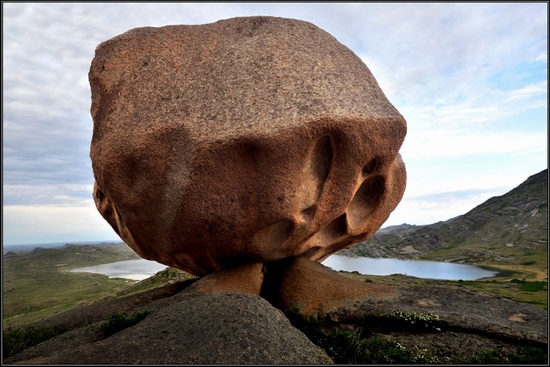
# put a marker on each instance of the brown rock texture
(247, 279)
(316, 290)
(242, 141)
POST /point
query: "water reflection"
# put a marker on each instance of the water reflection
(142, 269)
(419, 269)
(129, 269)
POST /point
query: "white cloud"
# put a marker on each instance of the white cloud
(59, 195)
(44, 224)
(422, 211)
(448, 143)
(469, 78)
(530, 91)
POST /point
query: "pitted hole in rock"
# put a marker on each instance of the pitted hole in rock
(308, 213)
(321, 159)
(104, 205)
(99, 195)
(316, 171)
(337, 228)
(365, 201)
(369, 167)
(329, 234)
(275, 235)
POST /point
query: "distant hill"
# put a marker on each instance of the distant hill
(31, 247)
(507, 229)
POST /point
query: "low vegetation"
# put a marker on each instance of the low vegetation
(16, 340)
(364, 344)
(509, 232)
(120, 321)
(526, 291)
(415, 321)
(533, 292)
(525, 356)
(361, 344)
(38, 284)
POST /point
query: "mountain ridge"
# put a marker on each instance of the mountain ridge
(507, 229)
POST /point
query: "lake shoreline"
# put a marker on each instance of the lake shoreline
(141, 269)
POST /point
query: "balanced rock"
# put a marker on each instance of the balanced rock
(243, 141)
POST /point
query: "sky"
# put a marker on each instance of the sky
(469, 78)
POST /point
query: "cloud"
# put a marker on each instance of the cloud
(432, 208)
(530, 91)
(449, 52)
(59, 195)
(441, 143)
(41, 224)
(469, 78)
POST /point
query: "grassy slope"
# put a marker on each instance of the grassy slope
(518, 290)
(38, 284)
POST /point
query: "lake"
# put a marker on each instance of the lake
(128, 269)
(419, 269)
(142, 269)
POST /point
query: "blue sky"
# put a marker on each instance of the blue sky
(469, 78)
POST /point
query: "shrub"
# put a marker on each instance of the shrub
(416, 321)
(16, 340)
(120, 321)
(525, 355)
(378, 350)
(349, 347)
(530, 286)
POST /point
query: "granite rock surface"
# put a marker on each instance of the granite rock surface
(248, 140)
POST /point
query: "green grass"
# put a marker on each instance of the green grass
(526, 290)
(38, 284)
(526, 355)
(530, 286)
(533, 292)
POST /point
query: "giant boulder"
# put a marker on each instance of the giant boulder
(242, 141)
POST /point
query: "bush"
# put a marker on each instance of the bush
(350, 347)
(530, 286)
(16, 340)
(416, 321)
(120, 321)
(378, 350)
(525, 355)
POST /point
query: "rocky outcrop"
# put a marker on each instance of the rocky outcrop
(194, 328)
(248, 140)
(500, 230)
(190, 324)
(316, 290)
(247, 279)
